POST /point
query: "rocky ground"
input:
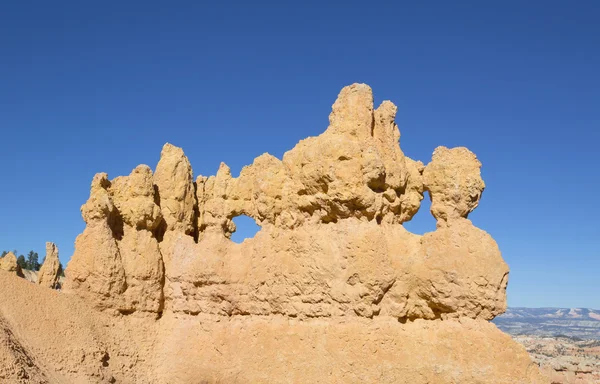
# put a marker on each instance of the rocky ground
(565, 360)
(564, 342)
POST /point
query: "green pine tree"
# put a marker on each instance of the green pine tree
(21, 261)
(40, 263)
(33, 261)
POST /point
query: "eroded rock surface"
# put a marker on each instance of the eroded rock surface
(49, 273)
(9, 263)
(454, 183)
(117, 264)
(332, 289)
(332, 243)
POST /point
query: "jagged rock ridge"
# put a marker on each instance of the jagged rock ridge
(331, 281)
(165, 237)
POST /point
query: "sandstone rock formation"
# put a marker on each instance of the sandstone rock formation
(331, 243)
(332, 289)
(9, 263)
(117, 264)
(49, 273)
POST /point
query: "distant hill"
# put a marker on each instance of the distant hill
(583, 323)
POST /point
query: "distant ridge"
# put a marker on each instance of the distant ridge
(553, 312)
(581, 323)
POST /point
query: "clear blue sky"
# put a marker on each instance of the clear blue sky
(88, 86)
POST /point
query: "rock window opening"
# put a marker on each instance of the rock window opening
(246, 228)
(423, 221)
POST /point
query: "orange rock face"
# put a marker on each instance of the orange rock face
(9, 264)
(332, 289)
(49, 273)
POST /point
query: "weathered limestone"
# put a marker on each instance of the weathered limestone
(117, 264)
(134, 198)
(332, 249)
(454, 182)
(175, 185)
(331, 243)
(67, 343)
(9, 263)
(49, 273)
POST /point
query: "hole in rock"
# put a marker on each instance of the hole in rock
(105, 359)
(246, 228)
(423, 221)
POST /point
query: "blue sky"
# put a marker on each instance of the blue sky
(87, 87)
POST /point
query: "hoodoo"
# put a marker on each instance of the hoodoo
(9, 263)
(50, 271)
